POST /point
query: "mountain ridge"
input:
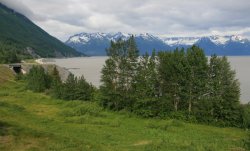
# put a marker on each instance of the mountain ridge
(96, 43)
(16, 29)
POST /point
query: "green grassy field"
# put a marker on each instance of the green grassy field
(5, 74)
(35, 121)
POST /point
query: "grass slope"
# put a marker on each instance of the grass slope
(5, 74)
(34, 121)
(18, 30)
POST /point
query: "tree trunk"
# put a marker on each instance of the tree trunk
(189, 106)
(176, 102)
(176, 105)
(190, 103)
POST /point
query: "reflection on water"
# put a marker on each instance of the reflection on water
(91, 67)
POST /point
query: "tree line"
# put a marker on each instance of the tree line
(9, 53)
(181, 84)
(12, 52)
(74, 88)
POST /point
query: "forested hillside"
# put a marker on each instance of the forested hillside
(25, 39)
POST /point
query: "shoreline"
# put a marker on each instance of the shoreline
(40, 61)
(63, 72)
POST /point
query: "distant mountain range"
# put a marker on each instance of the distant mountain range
(94, 44)
(19, 32)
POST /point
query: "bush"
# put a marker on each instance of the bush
(73, 89)
(4, 128)
(18, 76)
(247, 142)
(37, 79)
(149, 107)
(177, 123)
(159, 125)
(77, 108)
(178, 115)
(246, 116)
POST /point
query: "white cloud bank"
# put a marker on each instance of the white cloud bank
(62, 18)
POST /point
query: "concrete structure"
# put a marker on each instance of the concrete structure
(17, 68)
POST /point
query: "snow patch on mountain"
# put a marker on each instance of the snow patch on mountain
(116, 36)
(86, 37)
(94, 44)
(74, 39)
(173, 41)
(147, 36)
(216, 39)
(237, 38)
(219, 40)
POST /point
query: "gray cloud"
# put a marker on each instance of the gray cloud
(21, 7)
(63, 18)
(17, 6)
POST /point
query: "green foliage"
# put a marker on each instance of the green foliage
(147, 107)
(72, 89)
(19, 76)
(6, 74)
(118, 75)
(69, 88)
(37, 79)
(147, 102)
(34, 121)
(56, 84)
(3, 128)
(247, 142)
(224, 92)
(84, 90)
(78, 108)
(178, 84)
(9, 53)
(246, 116)
(172, 76)
(196, 79)
(19, 31)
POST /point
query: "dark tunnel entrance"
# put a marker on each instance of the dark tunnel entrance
(16, 68)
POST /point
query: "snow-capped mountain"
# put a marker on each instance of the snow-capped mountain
(173, 41)
(94, 44)
(218, 40)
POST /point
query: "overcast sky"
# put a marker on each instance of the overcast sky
(63, 18)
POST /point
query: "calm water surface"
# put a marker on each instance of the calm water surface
(91, 67)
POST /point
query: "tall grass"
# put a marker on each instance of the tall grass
(35, 121)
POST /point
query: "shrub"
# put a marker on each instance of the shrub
(77, 108)
(247, 142)
(177, 123)
(73, 89)
(246, 116)
(37, 79)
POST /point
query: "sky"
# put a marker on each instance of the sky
(64, 18)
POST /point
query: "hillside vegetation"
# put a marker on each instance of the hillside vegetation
(5, 74)
(25, 38)
(35, 121)
(180, 84)
(80, 118)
